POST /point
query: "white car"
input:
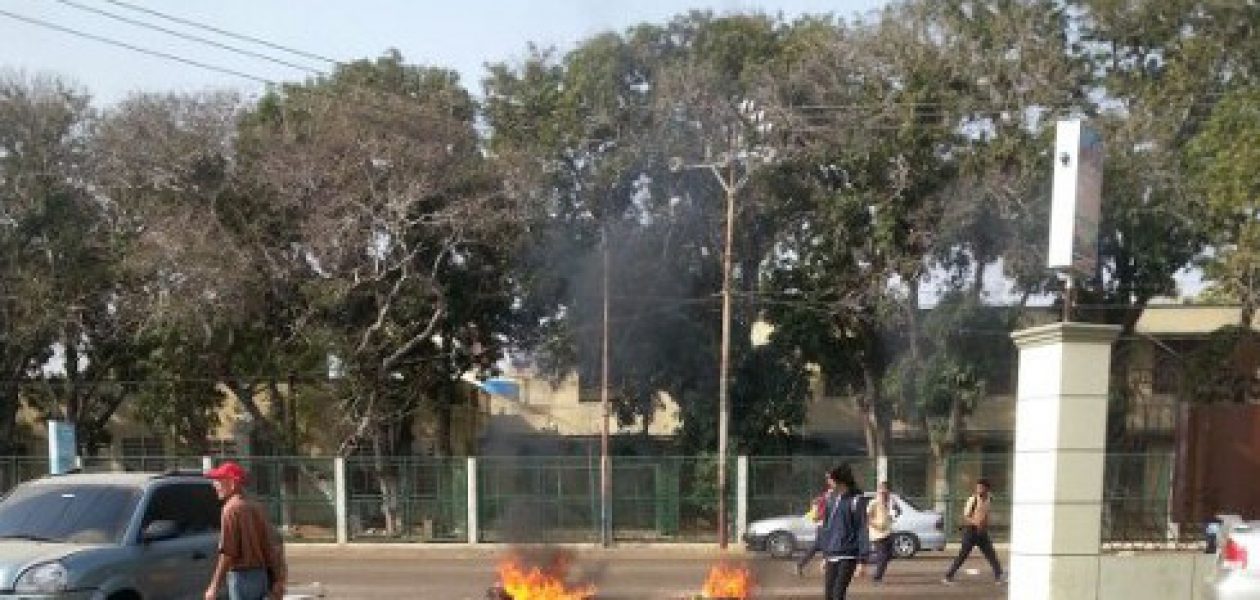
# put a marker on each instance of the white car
(1237, 575)
(913, 530)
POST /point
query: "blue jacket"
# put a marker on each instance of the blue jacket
(843, 530)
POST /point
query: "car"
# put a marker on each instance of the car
(1237, 572)
(109, 536)
(914, 529)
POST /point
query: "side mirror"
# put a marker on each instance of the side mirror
(158, 531)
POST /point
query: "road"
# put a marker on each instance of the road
(461, 572)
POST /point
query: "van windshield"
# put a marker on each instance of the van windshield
(69, 513)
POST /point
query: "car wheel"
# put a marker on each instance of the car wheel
(781, 544)
(904, 545)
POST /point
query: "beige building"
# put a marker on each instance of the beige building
(565, 416)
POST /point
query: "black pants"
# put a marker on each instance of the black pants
(974, 538)
(838, 577)
(881, 553)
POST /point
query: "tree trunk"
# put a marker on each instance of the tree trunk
(875, 428)
(387, 481)
(8, 417)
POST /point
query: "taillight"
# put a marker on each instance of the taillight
(1234, 556)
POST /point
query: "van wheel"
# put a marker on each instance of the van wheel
(781, 544)
(904, 545)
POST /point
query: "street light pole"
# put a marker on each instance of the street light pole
(724, 364)
(605, 462)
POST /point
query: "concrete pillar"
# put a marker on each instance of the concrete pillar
(341, 505)
(741, 498)
(474, 527)
(1060, 450)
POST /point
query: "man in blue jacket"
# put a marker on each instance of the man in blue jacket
(842, 537)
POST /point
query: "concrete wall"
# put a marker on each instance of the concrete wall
(1154, 576)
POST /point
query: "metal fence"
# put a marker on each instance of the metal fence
(664, 498)
(419, 499)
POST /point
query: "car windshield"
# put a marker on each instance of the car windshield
(912, 505)
(85, 514)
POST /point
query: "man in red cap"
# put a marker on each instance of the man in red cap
(249, 559)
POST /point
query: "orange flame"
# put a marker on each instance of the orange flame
(728, 582)
(533, 583)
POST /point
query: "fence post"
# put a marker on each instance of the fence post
(881, 469)
(741, 499)
(207, 463)
(339, 485)
(474, 528)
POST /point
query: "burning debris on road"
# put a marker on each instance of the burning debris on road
(548, 581)
(727, 582)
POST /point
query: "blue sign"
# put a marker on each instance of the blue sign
(61, 447)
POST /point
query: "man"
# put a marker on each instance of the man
(842, 536)
(975, 532)
(880, 514)
(251, 557)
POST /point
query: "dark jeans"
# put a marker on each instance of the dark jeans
(247, 585)
(974, 538)
(838, 577)
(881, 553)
(800, 564)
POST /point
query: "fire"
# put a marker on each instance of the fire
(519, 582)
(728, 582)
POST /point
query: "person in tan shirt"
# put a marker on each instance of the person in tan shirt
(975, 532)
(251, 557)
(880, 515)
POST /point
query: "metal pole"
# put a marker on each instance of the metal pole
(605, 467)
(724, 364)
(1067, 297)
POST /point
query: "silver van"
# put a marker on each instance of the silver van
(109, 536)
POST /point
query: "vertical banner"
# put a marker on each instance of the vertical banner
(61, 447)
(1077, 198)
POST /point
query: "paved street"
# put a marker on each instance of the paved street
(458, 573)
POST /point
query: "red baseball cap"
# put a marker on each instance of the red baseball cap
(228, 470)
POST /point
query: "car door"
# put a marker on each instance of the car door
(180, 564)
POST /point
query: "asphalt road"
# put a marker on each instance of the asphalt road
(459, 573)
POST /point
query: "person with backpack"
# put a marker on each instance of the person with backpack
(975, 532)
(842, 536)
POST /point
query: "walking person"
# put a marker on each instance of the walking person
(815, 515)
(880, 514)
(975, 532)
(251, 557)
(842, 537)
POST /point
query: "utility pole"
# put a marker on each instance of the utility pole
(732, 178)
(605, 461)
(724, 364)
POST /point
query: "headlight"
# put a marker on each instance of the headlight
(43, 579)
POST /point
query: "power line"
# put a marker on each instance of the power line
(224, 32)
(187, 36)
(133, 48)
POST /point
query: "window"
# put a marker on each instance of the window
(193, 506)
(84, 514)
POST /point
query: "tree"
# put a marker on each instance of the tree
(399, 230)
(47, 244)
(1222, 159)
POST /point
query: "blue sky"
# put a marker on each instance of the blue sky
(461, 35)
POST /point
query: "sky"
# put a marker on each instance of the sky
(462, 35)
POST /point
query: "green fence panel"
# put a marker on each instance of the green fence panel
(786, 485)
(407, 499)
